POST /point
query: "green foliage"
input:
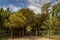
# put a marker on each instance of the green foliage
(25, 20)
(15, 20)
(29, 28)
(30, 16)
(45, 8)
(56, 9)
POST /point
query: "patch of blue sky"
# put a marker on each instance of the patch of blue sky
(53, 1)
(20, 3)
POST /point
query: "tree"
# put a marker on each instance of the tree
(15, 21)
(45, 13)
(45, 8)
(1, 17)
(51, 22)
(55, 9)
(43, 16)
(30, 16)
(37, 25)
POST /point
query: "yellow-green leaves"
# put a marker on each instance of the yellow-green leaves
(15, 20)
(29, 28)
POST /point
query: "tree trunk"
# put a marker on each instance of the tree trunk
(11, 35)
(22, 31)
(36, 31)
(39, 32)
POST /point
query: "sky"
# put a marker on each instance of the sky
(34, 5)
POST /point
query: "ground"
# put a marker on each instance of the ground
(33, 38)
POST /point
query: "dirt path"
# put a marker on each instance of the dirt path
(32, 39)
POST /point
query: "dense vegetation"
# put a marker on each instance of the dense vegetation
(27, 23)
